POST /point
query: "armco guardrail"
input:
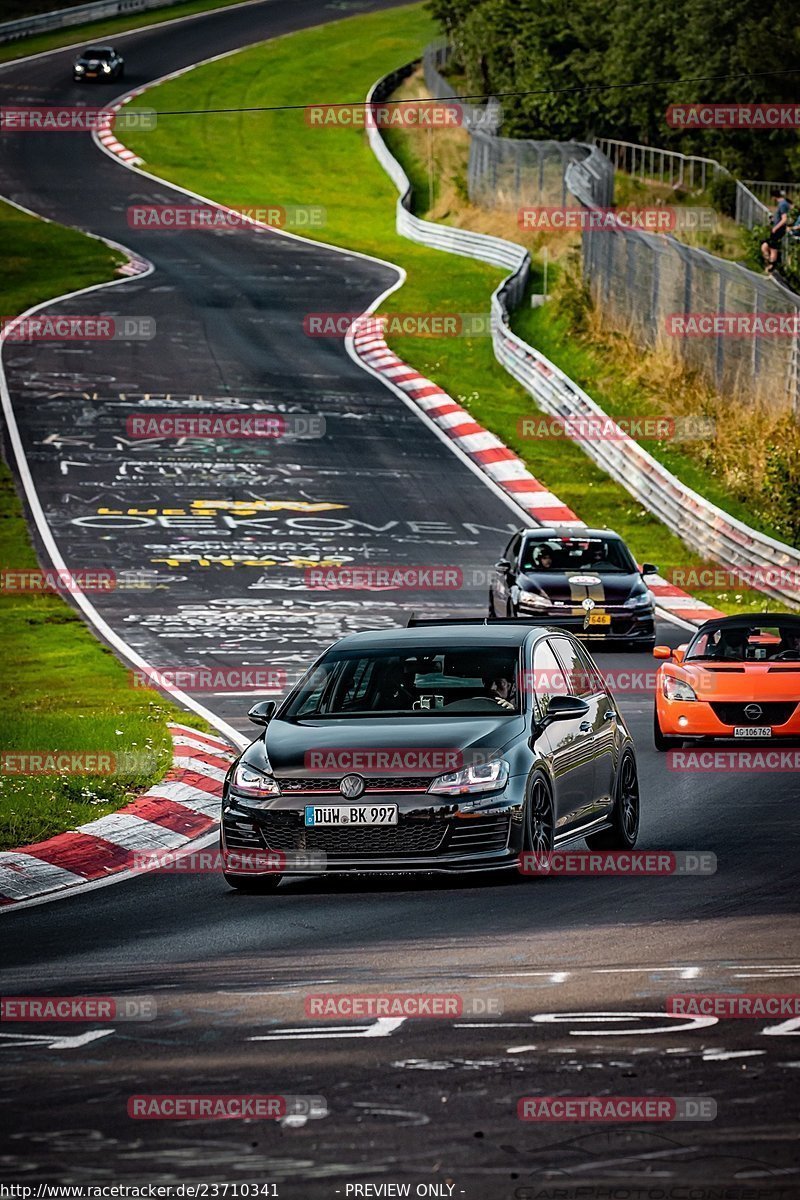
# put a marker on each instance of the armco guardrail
(700, 524)
(62, 18)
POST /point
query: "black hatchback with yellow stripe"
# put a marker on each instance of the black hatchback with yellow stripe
(583, 580)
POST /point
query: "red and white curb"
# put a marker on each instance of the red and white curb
(502, 465)
(505, 468)
(173, 813)
(107, 136)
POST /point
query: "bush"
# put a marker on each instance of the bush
(722, 191)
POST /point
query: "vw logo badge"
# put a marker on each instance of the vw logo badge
(753, 711)
(588, 603)
(351, 787)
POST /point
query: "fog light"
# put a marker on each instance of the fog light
(682, 722)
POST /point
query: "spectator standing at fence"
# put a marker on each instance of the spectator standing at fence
(770, 247)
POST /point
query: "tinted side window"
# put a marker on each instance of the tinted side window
(512, 549)
(595, 674)
(549, 678)
(581, 677)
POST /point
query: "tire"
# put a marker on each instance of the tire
(255, 884)
(539, 820)
(661, 741)
(625, 814)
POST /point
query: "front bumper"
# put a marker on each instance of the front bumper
(625, 625)
(429, 837)
(697, 719)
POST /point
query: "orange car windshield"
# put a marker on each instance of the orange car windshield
(756, 643)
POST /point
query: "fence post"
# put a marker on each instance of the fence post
(719, 358)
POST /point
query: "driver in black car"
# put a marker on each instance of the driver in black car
(498, 687)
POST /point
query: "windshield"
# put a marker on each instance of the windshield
(601, 555)
(98, 52)
(748, 643)
(459, 681)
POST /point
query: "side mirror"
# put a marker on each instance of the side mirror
(649, 569)
(662, 652)
(262, 713)
(565, 708)
(502, 566)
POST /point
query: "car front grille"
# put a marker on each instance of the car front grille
(773, 712)
(285, 831)
(374, 783)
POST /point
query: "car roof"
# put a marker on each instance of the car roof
(95, 46)
(570, 531)
(493, 635)
(748, 620)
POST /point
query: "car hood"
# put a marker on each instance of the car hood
(423, 746)
(571, 587)
(741, 682)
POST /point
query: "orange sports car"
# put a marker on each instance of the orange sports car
(738, 678)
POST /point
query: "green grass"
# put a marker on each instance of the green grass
(62, 690)
(95, 30)
(334, 167)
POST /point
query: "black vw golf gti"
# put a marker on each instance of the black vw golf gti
(583, 580)
(441, 747)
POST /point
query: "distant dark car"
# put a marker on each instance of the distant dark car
(437, 748)
(101, 63)
(583, 580)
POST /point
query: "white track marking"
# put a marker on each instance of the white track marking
(51, 1041)
(381, 1027)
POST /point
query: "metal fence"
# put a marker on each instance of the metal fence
(645, 282)
(62, 18)
(510, 172)
(763, 189)
(649, 163)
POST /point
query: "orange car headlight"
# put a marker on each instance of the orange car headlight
(676, 689)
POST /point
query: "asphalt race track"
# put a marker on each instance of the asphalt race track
(572, 974)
